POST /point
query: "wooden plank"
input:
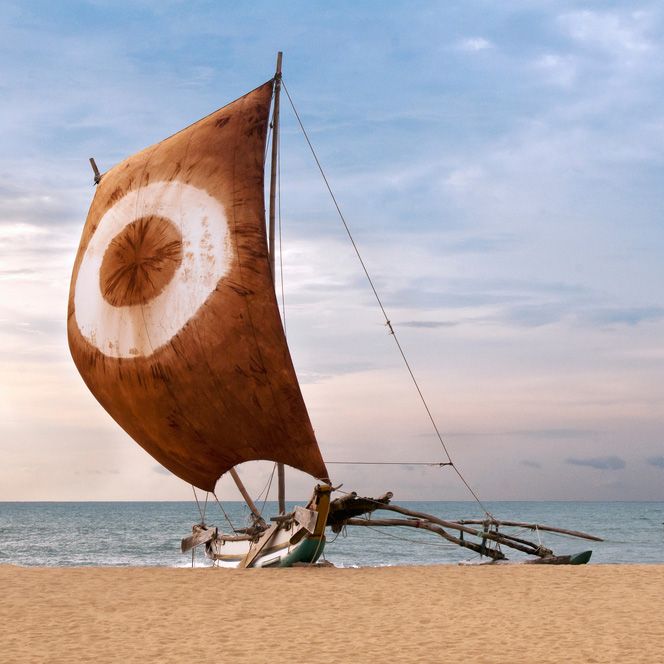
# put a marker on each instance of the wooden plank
(306, 518)
(257, 547)
(199, 535)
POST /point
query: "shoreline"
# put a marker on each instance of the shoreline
(517, 613)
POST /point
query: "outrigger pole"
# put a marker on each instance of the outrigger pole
(353, 510)
(271, 234)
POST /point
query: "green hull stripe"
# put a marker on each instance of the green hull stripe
(307, 551)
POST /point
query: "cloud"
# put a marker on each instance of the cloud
(474, 44)
(520, 301)
(481, 244)
(625, 315)
(560, 70)
(17, 274)
(554, 433)
(25, 211)
(656, 461)
(531, 464)
(428, 324)
(613, 32)
(535, 315)
(600, 463)
(557, 432)
(329, 370)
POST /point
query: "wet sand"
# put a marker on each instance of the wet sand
(594, 613)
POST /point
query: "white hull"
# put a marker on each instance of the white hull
(283, 545)
(295, 538)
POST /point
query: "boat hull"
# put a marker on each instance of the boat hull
(280, 553)
(298, 537)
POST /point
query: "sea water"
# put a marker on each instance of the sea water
(149, 533)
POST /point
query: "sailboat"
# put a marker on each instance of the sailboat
(174, 325)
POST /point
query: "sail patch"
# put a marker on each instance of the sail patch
(152, 262)
(140, 261)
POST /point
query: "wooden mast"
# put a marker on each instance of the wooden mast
(271, 234)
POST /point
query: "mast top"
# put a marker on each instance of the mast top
(277, 74)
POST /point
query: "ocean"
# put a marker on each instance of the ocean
(149, 533)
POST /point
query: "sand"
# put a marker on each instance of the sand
(596, 613)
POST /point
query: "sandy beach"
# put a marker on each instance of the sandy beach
(602, 613)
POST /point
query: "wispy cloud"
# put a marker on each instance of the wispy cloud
(428, 324)
(507, 200)
(625, 315)
(600, 463)
(615, 32)
(531, 464)
(474, 44)
(559, 70)
(24, 209)
(553, 433)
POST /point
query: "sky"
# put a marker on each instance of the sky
(500, 166)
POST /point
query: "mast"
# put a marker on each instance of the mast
(271, 234)
(272, 249)
(272, 255)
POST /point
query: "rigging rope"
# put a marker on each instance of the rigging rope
(407, 539)
(391, 463)
(266, 489)
(269, 137)
(200, 511)
(221, 507)
(380, 304)
(281, 253)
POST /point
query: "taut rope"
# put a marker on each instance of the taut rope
(382, 308)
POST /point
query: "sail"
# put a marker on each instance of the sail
(172, 320)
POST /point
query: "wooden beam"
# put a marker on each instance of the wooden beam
(425, 525)
(258, 546)
(245, 494)
(530, 547)
(533, 526)
(281, 474)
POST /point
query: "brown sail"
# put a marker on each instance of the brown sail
(172, 320)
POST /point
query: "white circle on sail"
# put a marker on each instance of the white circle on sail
(140, 329)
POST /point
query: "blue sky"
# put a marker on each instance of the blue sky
(500, 165)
